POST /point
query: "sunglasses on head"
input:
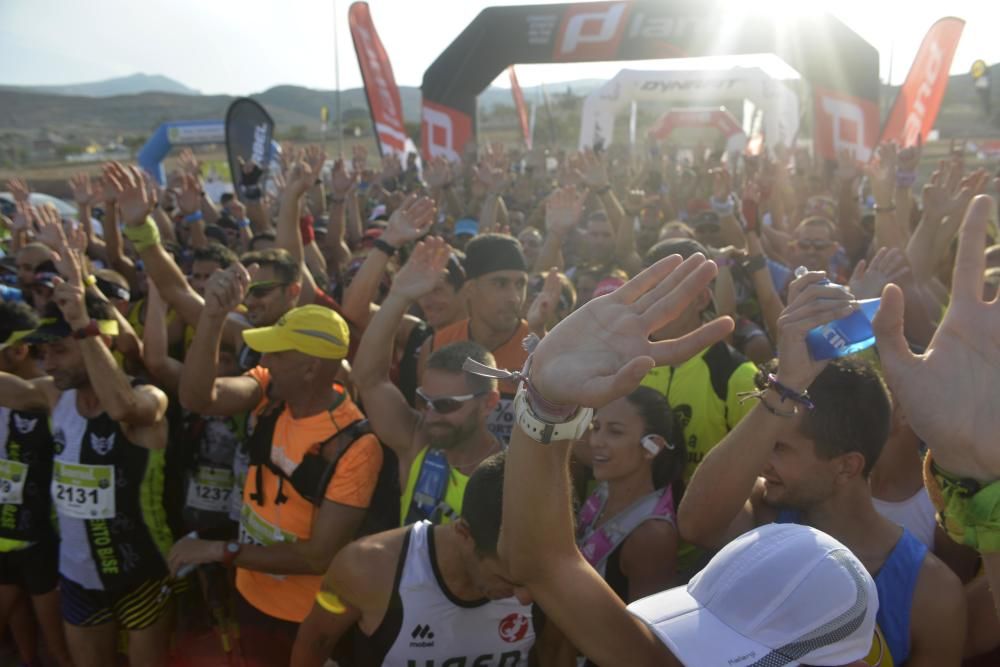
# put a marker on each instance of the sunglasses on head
(806, 244)
(444, 404)
(264, 287)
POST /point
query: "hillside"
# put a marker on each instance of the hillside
(124, 85)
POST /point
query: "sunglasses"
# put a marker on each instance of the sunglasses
(261, 289)
(806, 244)
(445, 404)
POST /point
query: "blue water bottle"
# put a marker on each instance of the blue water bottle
(844, 336)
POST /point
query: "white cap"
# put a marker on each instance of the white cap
(781, 594)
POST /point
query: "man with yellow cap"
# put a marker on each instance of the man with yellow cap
(314, 463)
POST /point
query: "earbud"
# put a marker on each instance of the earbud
(650, 445)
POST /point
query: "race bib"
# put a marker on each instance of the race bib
(500, 422)
(255, 529)
(12, 476)
(210, 489)
(84, 491)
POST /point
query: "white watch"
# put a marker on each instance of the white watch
(544, 432)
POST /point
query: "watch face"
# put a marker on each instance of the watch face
(232, 547)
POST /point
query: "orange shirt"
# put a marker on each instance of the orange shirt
(290, 597)
(511, 356)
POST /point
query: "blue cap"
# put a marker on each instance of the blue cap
(468, 226)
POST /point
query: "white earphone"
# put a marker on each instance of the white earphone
(650, 445)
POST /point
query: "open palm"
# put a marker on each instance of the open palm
(948, 393)
(602, 350)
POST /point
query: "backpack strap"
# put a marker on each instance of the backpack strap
(598, 544)
(311, 477)
(259, 445)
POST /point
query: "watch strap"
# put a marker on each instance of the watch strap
(546, 432)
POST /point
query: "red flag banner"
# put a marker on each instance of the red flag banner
(380, 85)
(916, 107)
(522, 108)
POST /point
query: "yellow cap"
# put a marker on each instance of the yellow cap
(313, 330)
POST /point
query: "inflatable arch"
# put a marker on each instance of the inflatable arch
(779, 104)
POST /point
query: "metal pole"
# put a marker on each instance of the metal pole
(336, 74)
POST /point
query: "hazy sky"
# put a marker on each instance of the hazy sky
(247, 46)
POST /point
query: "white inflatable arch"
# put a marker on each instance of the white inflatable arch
(666, 89)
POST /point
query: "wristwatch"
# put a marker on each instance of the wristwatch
(754, 263)
(544, 432)
(230, 552)
(91, 329)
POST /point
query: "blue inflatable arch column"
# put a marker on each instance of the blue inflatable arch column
(182, 133)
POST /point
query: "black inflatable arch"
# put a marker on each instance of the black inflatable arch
(841, 67)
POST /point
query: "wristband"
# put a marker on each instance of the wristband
(723, 261)
(905, 179)
(884, 209)
(91, 330)
(193, 217)
(385, 247)
(244, 223)
(967, 510)
(143, 236)
(90, 280)
(754, 263)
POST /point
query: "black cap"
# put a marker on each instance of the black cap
(493, 252)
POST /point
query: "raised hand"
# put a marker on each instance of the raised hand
(563, 210)
(19, 190)
(544, 305)
(188, 195)
(810, 304)
(882, 174)
(359, 158)
(422, 270)
(82, 191)
(591, 170)
(49, 227)
(226, 289)
(847, 171)
(437, 173)
(409, 221)
(133, 198)
(870, 278)
(602, 351)
(315, 157)
(391, 168)
(946, 392)
(188, 162)
(634, 200)
(722, 184)
(299, 178)
(492, 178)
(340, 181)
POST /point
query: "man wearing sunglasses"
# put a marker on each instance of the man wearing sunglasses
(313, 462)
(495, 287)
(439, 444)
(814, 244)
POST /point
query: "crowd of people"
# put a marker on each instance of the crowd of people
(526, 408)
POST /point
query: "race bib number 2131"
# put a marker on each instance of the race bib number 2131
(84, 491)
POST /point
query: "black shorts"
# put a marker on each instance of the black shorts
(133, 609)
(35, 568)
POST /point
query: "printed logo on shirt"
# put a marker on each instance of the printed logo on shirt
(59, 440)
(513, 627)
(102, 445)
(24, 425)
(423, 637)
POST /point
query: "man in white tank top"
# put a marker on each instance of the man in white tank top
(433, 596)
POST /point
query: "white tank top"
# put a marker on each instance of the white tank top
(916, 514)
(439, 630)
